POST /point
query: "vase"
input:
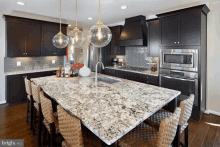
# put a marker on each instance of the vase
(84, 71)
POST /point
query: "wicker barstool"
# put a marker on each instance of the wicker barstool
(186, 107)
(145, 135)
(50, 121)
(73, 133)
(29, 100)
(36, 97)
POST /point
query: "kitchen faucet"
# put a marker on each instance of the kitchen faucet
(96, 70)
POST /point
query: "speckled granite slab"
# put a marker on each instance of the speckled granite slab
(108, 110)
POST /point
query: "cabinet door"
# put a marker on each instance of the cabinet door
(154, 38)
(169, 31)
(189, 29)
(121, 50)
(62, 52)
(16, 89)
(33, 39)
(48, 32)
(116, 32)
(119, 73)
(15, 38)
(132, 76)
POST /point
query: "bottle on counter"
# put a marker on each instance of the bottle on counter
(60, 68)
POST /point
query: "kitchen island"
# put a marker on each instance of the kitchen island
(108, 110)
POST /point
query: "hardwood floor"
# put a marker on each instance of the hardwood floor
(13, 126)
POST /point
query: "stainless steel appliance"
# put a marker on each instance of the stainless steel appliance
(94, 56)
(179, 59)
(179, 71)
(114, 62)
(184, 81)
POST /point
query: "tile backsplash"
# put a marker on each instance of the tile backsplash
(138, 57)
(10, 64)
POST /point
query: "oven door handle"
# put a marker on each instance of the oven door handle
(178, 78)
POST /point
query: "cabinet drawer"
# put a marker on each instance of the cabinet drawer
(110, 72)
(154, 80)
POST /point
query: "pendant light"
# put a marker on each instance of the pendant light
(60, 40)
(76, 37)
(99, 34)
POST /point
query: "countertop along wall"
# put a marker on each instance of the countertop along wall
(2, 40)
(213, 60)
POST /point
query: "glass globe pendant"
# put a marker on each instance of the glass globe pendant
(60, 40)
(99, 34)
(76, 37)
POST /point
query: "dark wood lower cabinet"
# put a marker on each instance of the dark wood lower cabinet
(15, 85)
(110, 72)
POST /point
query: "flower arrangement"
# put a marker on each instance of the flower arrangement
(77, 65)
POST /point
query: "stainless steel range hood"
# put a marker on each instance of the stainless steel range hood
(134, 32)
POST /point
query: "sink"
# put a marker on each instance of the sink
(107, 79)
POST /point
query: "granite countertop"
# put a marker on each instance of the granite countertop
(146, 71)
(29, 71)
(108, 110)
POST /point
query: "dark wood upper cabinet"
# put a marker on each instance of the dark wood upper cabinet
(115, 48)
(15, 39)
(189, 28)
(29, 37)
(182, 27)
(154, 37)
(169, 31)
(33, 39)
(48, 32)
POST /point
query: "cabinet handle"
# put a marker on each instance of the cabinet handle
(54, 53)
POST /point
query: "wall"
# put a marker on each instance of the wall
(2, 53)
(213, 60)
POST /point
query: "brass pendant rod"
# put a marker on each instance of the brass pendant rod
(60, 15)
(99, 9)
(76, 13)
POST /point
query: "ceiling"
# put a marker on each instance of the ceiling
(110, 9)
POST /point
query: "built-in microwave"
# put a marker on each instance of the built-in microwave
(179, 59)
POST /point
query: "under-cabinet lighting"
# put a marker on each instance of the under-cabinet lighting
(90, 18)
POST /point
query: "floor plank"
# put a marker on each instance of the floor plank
(217, 139)
(205, 133)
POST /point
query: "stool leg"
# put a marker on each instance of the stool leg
(44, 134)
(32, 111)
(52, 134)
(176, 141)
(186, 137)
(28, 111)
(39, 125)
(34, 120)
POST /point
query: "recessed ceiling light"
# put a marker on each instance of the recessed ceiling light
(90, 18)
(69, 25)
(124, 7)
(20, 3)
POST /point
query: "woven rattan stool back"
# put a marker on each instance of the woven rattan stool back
(186, 109)
(47, 109)
(35, 92)
(167, 130)
(27, 86)
(70, 128)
